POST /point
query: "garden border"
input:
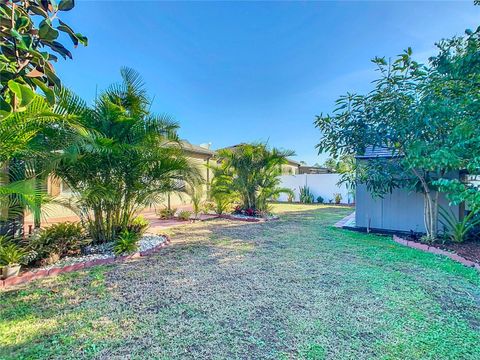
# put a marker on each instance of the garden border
(40, 274)
(437, 251)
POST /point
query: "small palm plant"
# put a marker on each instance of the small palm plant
(457, 230)
(251, 172)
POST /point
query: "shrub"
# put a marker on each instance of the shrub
(166, 213)
(126, 243)
(184, 215)
(338, 198)
(139, 225)
(58, 240)
(291, 197)
(320, 199)
(306, 197)
(208, 207)
(457, 230)
(11, 254)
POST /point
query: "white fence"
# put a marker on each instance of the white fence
(324, 185)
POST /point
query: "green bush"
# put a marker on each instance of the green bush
(320, 199)
(11, 254)
(58, 240)
(184, 215)
(126, 243)
(208, 207)
(338, 198)
(166, 213)
(139, 225)
(306, 196)
(457, 230)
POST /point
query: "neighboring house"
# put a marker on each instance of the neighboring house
(305, 169)
(400, 211)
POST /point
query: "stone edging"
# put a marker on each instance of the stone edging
(30, 275)
(246, 219)
(435, 250)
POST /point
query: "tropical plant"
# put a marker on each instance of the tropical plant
(320, 199)
(457, 230)
(184, 215)
(11, 254)
(58, 240)
(196, 195)
(32, 139)
(251, 172)
(166, 213)
(306, 196)
(126, 243)
(208, 207)
(337, 198)
(138, 225)
(132, 159)
(30, 41)
(291, 197)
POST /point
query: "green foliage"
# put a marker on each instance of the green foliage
(343, 165)
(166, 213)
(306, 196)
(11, 254)
(196, 194)
(184, 215)
(337, 197)
(251, 173)
(139, 225)
(208, 207)
(320, 199)
(29, 43)
(130, 160)
(60, 240)
(457, 230)
(126, 243)
(426, 116)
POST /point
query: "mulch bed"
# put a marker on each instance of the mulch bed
(470, 250)
(467, 253)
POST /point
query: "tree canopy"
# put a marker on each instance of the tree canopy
(425, 115)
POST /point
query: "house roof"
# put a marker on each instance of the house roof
(372, 152)
(196, 149)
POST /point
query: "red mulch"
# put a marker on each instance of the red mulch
(470, 250)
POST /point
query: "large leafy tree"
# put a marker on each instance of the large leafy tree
(29, 44)
(131, 160)
(453, 95)
(252, 172)
(411, 113)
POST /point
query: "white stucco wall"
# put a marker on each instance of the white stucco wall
(324, 185)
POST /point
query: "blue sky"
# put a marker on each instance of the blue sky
(232, 72)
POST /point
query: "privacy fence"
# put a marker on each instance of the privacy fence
(324, 185)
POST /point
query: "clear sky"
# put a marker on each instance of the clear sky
(234, 72)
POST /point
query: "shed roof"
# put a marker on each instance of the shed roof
(372, 152)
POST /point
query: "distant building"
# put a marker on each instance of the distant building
(305, 169)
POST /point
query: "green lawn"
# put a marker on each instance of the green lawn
(295, 288)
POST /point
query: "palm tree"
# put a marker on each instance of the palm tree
(131, 160)
(31, 140)
(251, 171)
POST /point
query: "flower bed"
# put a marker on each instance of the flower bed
(436, 250)
(95, 255)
